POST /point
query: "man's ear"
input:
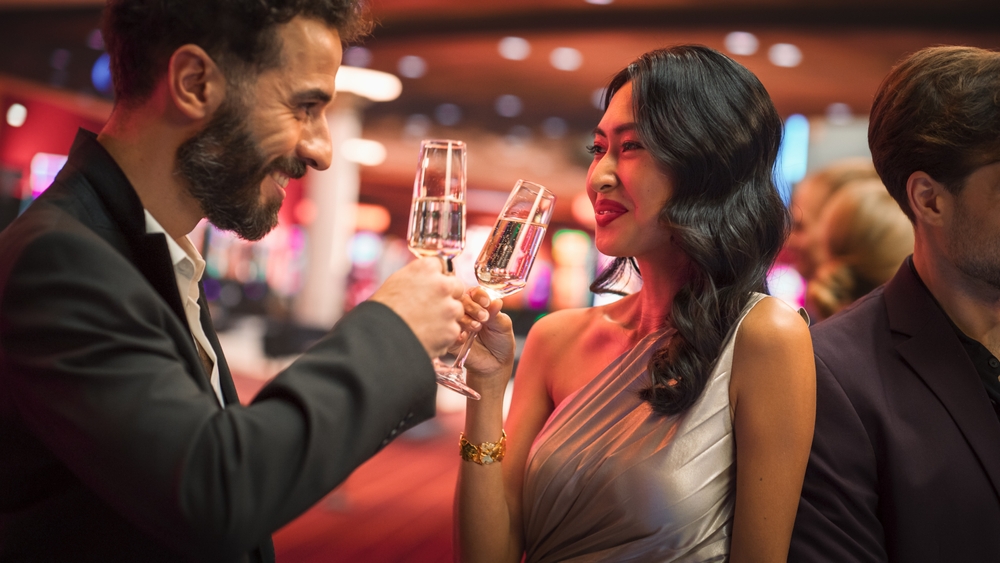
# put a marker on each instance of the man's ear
(928, 198)
(195, 83)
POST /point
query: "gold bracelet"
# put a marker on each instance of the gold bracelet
(485, 453)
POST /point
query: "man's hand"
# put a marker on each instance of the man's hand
(427, 300)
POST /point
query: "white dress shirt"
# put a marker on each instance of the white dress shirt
(188, 269)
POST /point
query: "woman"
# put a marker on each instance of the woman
(865, 237)
(630, 438)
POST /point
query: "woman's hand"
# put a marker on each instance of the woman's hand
(492, 352)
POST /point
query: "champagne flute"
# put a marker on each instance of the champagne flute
(505, 261)
(437, 217)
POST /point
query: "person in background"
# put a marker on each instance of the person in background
(804, 248)
(905, 462)
(865, 237)
(674, 424)
(122, 435)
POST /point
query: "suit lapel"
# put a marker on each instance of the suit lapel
(936, 355)
(148, 252)
(225, 376)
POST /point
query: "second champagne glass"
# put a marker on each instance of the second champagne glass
(504, 263)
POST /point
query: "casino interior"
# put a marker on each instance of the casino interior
(520, 82)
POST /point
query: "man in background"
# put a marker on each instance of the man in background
(122, 435)
(905, 463)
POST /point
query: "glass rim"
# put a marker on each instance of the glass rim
(441, 142)
(528, 185)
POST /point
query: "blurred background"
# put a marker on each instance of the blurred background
(520, 82)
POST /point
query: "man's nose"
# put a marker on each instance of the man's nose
(315, 147)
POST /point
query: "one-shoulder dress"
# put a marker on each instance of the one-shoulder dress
(607, 479)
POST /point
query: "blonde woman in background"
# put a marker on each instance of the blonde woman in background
(864, 237)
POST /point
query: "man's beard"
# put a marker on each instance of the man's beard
(974, 248)
(223, 168)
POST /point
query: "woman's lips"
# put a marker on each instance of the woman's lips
(606, 211)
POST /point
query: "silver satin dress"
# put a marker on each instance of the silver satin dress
(609, 480)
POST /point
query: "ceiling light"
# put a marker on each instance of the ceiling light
(357, 56)
(784, 54)
(363, 151)
(599, 2)
(741, 43)
(16, 115)
(508, 105)
(514, 48)
(375, 85)
(412, 66)
(566, 58)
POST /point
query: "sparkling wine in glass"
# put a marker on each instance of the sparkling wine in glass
(437, 218)
(504, 263)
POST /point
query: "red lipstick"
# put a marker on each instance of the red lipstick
(606, 211)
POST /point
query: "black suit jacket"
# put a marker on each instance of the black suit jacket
(112, 444)
(905, 463)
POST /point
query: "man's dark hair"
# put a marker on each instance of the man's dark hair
(240, 35)
(938, 112)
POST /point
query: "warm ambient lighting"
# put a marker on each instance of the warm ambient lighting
(741, 43)
(566, 58)
(363, 151)
(375, 85)
(16, 115)
(784, 55)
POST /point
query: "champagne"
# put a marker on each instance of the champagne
(503, 265)
(437, 226)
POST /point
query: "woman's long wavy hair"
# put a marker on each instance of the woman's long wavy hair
(711, 126)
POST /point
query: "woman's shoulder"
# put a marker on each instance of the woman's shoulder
(771, 317)
(563, 326)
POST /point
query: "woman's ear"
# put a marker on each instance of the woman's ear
(195, 83)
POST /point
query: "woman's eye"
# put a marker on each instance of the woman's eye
(631, 146)
(595, 149)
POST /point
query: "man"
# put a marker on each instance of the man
(122, 435)
(905, 464)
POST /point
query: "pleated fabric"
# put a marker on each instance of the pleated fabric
(607, 479)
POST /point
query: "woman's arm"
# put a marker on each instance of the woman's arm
(773, 392)
(488, 498)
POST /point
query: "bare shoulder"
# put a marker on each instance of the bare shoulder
(772, 325)
(773, 354)
(559, 330)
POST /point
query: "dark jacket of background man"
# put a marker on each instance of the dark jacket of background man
(905, 463)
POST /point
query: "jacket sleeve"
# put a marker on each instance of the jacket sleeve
(92, 370)
(837, 520)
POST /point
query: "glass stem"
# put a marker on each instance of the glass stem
(463, 352)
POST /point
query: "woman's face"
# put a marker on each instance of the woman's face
(626, 186)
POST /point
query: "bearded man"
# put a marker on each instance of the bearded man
(122, 435)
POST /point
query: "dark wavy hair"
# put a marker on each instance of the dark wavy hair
(241, 35)
(938, 111)
(711, 126)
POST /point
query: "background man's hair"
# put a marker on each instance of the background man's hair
(938, 112)
(240, 35)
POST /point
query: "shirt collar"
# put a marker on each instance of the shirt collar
(181, 250)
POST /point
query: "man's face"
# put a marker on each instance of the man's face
(973, 231)
(270, 130)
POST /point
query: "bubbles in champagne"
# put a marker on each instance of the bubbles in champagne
(437, 227)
